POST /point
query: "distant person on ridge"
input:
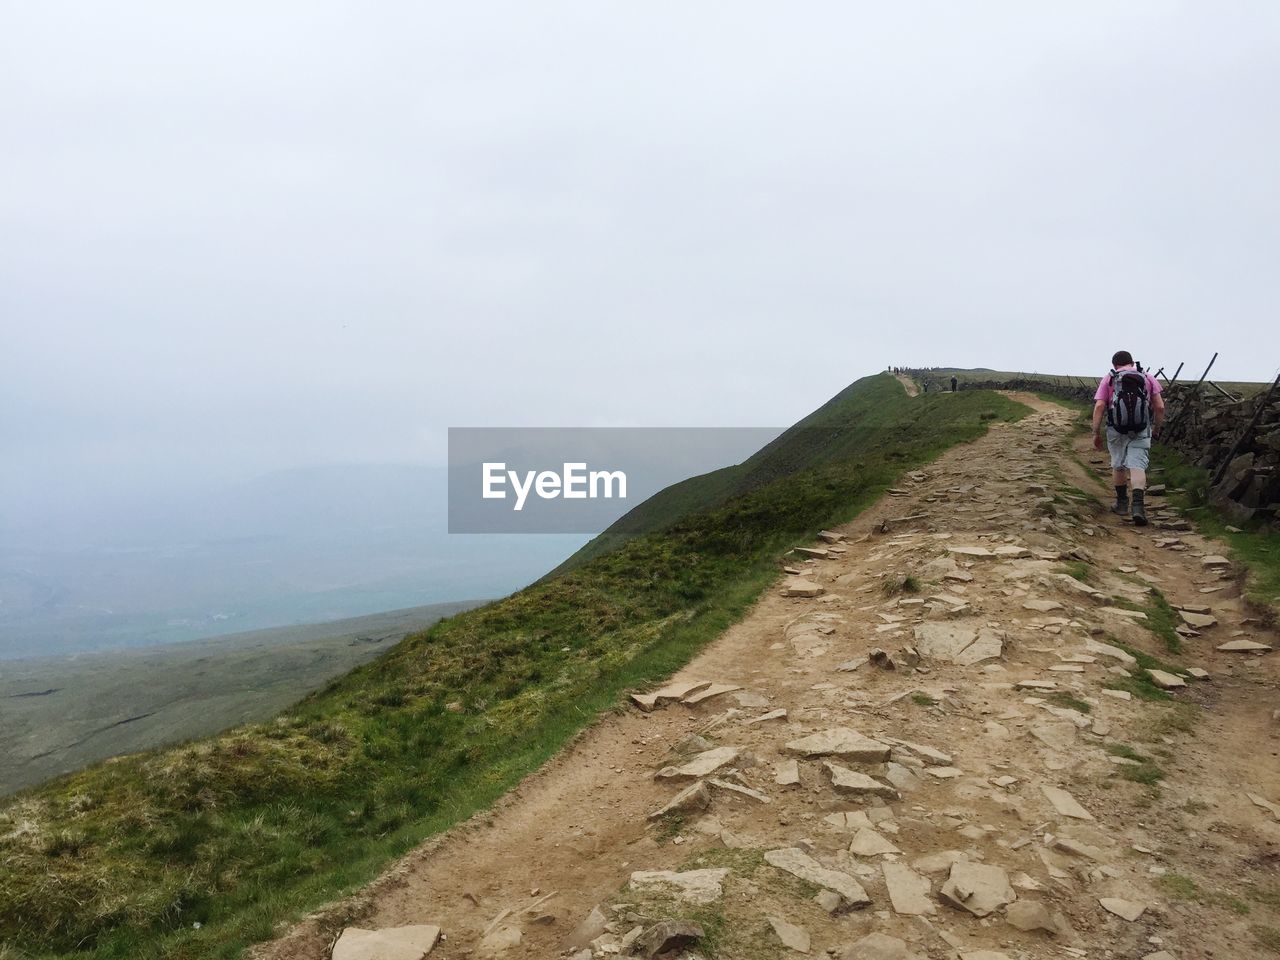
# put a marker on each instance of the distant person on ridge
(1130, 400)
(953, 384)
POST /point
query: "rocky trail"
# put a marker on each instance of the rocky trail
(931, 739)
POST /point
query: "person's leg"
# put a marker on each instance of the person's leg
(1116, 445)
(1137, 457)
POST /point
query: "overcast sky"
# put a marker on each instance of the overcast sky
(242, 236)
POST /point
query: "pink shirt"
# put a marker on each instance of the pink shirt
(1104, 387)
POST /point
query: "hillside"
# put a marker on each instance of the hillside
(58, 714)
(198, 850)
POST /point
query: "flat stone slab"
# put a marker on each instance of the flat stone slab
(959, 642)
(818, 553)
(1036, 685)
(711, 690)
(909, 893)
(851, 782)
(779, 714)
(1107, 650)
(693, 886)
(1243, 646)
(395, 943)
(1265, 804)
(693, 797)
(976, 553)
(1030, 916)
(867, 843)
(799, 864)
(703, 764)
(740, 790)
(843, 742)
(979, 888)
(1042, 606)
(1129, 910)
(671, 693)
(1201, 621)
(925, 753)
(1010, 551)
(802, 588)
(848, 819)
(1215, 561)
(1165, 680)
(1065, 803)
(792, 937)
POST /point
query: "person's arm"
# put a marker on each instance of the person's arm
(1157, 414)
(1099, 411)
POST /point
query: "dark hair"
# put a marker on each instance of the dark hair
(1121, 358)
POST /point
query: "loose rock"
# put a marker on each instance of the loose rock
(977, 887)
(799, 864)
(908, 891)
(395, 943)
(841, 742)
(849, 781)
(695, 886)
(792, 937)
(1129, 910)
(668, 936)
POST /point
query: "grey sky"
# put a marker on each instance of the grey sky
(243, 236)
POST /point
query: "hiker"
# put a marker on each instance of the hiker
(1129, 398)
(953, 384)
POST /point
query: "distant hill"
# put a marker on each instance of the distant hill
(58, 714)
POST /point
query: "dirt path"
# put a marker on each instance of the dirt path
(1010, 773)
(912, 388)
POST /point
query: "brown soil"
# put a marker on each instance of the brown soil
(578, 829)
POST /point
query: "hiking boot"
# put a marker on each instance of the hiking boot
(1139, 508)
(1122, 504)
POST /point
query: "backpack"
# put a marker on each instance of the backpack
(1130, 409)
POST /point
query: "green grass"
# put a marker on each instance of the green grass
(1177, 886)
(1146, 772)
(900, 583)
(1140, 684)
(261, 824)
(923, 700)
(1255, 547)
(1078, 570)
(1162, 618)
(1064, 699)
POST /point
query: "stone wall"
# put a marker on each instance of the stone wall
(1202, 426)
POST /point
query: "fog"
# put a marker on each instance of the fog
(246, 238)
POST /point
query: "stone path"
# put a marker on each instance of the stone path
(924, 743)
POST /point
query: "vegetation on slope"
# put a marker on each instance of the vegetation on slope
(1255, 546)
(196, 851)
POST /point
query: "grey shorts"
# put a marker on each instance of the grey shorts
(1129, 453)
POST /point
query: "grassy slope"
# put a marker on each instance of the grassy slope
(240, 831)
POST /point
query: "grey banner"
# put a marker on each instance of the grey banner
(578, 479)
